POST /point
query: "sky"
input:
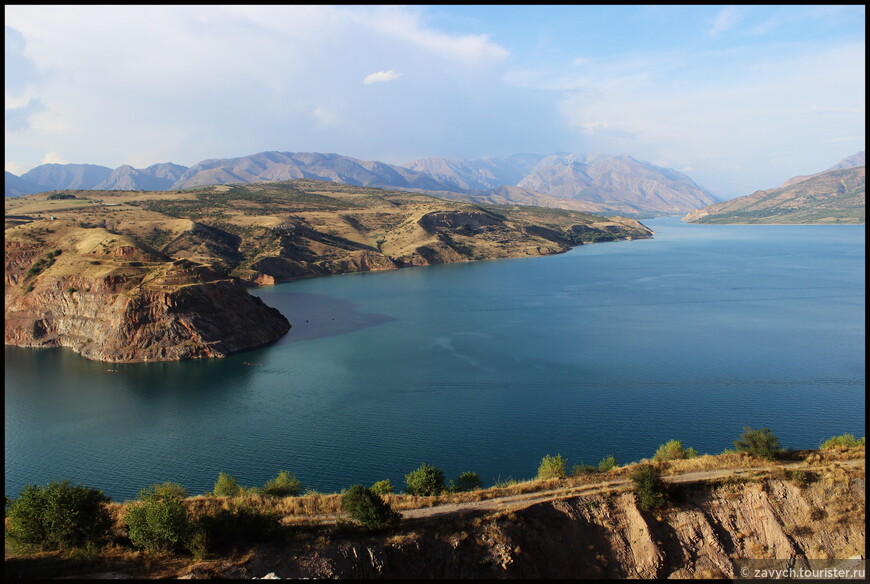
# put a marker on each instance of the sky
(740, 98)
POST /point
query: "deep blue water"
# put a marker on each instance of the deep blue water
(611, 348)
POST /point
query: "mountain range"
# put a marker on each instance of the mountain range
(836, 195)
(586, 182)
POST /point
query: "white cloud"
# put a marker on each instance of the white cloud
(381, 76)
(714, 111)
(54, 158)
(198, 82)
(17, 168)
(725, 20)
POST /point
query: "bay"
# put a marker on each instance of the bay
(611, 348)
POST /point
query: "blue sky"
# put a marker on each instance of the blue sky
(738, 97)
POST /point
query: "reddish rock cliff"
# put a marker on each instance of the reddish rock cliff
(108, 299)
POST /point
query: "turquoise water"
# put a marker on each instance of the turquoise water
(611, 348)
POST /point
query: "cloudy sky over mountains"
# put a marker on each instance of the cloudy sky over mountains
(738, 97)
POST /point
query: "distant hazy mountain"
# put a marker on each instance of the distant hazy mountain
(848, 162)
(616, 182)
(593, 183)
(16, 186)
(49, 177)
(479, 173)
(273, 166)
(157, 177)
(834, 196)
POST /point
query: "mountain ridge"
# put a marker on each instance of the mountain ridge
(830, 197)
(604, 184)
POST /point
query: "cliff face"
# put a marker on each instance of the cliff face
(108, 299)
(606, 536)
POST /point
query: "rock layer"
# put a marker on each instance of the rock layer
(120, 309)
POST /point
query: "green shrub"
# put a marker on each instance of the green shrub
(368, 508)
(226, 486)
(552, 467)
(467, 481)
(673, 450)
(844, 441)
(163, 490)
(427, 480)
(384, 487)
(58, 516)
(761, 443)
(238, 525)
(283, 485)
(581, 469)
(159, 522)
(648, 487)
(607, 463)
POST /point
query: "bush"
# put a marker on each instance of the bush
(761, 443)
(673, 450)
(283, 485)
(582, 469)
(384, 487)
(159, 522)
(467, 481)
(368, 508)
(425, 481)
(241, 524)
(844, 441)
(607, 463)
(552, 467)
(58, 516)
(163, 490)
(226, 486)
(648, 487)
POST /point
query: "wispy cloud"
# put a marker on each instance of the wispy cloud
(725, 20)
(381, 76)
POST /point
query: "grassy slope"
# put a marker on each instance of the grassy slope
(833, 197)
(310, 228)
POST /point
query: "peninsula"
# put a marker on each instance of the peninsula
(128, 276)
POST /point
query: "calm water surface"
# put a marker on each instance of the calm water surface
(608, 349)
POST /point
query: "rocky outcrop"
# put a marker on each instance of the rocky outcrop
(699, 535)
(129, 305)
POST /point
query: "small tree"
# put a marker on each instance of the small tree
(648, 487)
(673, 450)
(384, 487)
(160, 521)
(427, 480)
(607, 463)
(467, 481)
(58, 516)
(163, 490)
(368, 508)
(283, 485)
(761, 443)
(552, 467)
(226, 486)
(842, 442)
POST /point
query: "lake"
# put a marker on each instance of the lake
(612, 348)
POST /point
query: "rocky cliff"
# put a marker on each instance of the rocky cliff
(815, 515)
(106, 297)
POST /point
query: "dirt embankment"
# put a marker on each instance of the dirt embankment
(597, 531)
